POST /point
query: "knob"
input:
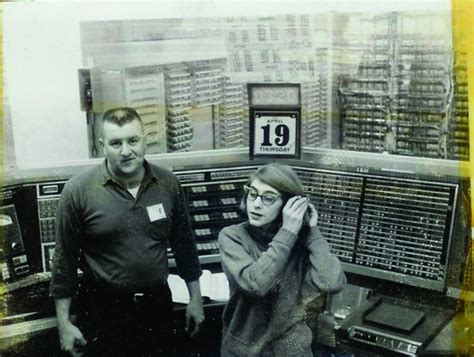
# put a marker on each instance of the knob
(15, 246)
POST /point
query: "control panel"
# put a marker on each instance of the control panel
(214, 197)
(337, 198)
(13, 253)
(390, 326)
(20, 248)
(48, 195)
(384, 340)
(391, 228)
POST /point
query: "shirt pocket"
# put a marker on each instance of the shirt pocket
(160, 229)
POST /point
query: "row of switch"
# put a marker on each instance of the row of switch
(210, 246)
(47, 230)
(220, 188)
(47, 208)
(205, 203)
(202, 232)
(215, 216)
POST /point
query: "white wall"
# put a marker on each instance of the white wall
(42, 52)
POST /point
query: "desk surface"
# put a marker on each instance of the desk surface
(451, 341)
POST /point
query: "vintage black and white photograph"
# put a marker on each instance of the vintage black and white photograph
(236, 178)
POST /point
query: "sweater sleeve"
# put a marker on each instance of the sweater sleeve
(254, 276)
(325, 269)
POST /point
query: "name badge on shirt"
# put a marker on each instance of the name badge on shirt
(156, 212)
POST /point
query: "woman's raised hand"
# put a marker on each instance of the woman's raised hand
(293, 213)
(313, 215)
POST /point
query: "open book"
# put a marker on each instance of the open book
(214, 286)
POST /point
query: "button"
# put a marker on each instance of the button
(402, 346)
(22, 269)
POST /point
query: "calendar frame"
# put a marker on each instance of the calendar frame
(258, 117)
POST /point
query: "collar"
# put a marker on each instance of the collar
(266, 234)
(150, 174)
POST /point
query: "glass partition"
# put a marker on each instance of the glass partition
(372, 82)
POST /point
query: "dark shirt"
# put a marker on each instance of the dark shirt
(120, 242)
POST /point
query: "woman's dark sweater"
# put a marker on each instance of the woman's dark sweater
(271, 275)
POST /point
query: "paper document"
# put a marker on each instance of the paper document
(214, 286)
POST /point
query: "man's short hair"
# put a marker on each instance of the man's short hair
(120, 116)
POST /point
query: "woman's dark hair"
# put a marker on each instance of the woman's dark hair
(281, 177)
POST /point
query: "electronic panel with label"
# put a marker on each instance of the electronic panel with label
(19, 253)
(213, 196)
(48, 195)
(391, 228)
(337, 197)
(396, 229)
(214, 202)
(13, 251)
(389, 326)
(35, 204)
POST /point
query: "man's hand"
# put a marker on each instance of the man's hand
(71, 339)
(194, 316)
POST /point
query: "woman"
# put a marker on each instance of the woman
(275, 262)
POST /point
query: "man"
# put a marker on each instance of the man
(114, 222)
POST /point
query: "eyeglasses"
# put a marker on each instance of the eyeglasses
(267, 198)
